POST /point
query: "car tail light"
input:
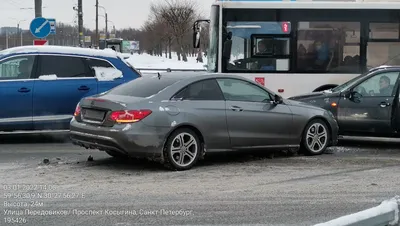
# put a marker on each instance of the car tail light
(129, 116)
(77, 110)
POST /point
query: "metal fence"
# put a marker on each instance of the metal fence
(387, 213)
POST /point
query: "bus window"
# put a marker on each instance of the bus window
(258, 46)
(379, 51)
(383, 53)
(328, 47)
(384, 30)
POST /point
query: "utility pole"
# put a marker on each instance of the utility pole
(106, 26)
(7, 38)
(97, 22)
(38, 8)
(18, 33)
(80, 23)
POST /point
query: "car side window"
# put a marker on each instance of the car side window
(19, 67)
(98, 63)
(202, 90)
(381, 85)
(63, 67)
(239, 90)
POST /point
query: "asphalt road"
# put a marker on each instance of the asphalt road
(240, 188)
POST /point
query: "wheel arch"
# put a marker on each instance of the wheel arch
(187, 126)
(317, 117)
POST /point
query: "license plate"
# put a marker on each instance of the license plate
(93, 114)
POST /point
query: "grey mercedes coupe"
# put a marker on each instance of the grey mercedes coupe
(176, 118)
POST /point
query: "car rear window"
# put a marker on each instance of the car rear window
(131, 67)
(143, 86)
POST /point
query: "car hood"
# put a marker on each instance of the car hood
(322, 94)
(302, 104)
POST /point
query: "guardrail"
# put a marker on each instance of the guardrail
(387, 213)
(166, 69)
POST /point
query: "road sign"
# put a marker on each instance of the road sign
(102, 36)
(52, 25)
(40, 42)
(40, 27)
(88, 39)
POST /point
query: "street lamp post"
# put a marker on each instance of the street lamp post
(105, 24)
(106, 18)
(6, 38)
(113, 26)
(20, 31)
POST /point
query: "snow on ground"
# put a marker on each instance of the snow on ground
(386, 207)
(156, 62)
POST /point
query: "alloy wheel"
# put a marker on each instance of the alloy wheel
(317, 137)
(184, 149)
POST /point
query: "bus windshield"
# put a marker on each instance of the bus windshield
(256, 43)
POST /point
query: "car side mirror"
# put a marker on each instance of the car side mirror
(347, 94)
(196, 39)
(354, 96)
(278, 99)
(196, 35)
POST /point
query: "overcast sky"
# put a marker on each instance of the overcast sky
(124, 13)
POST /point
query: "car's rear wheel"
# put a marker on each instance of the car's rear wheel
(182, 150)
(316, 137)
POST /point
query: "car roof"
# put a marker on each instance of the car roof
(384, 67)
(61, 50)
(193, 76)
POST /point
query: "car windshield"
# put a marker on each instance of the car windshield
(348, 83)
(143, 87)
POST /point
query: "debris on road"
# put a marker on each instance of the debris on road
(90, 158)
(46, 161)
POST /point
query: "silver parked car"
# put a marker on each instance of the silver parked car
(177, 117)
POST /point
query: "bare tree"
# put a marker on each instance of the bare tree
(178, 15)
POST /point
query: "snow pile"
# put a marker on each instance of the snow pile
(107, 74)
(386, 207)
(48, 77)
(147, 61)
(60, 49)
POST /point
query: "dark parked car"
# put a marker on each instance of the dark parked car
(176, 118)
(367, 105)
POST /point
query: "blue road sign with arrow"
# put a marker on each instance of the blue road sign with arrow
(40, 27)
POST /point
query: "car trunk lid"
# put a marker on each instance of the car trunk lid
(97, 110)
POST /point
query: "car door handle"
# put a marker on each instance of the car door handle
(384, 104)
(236, 108)
(24, 90)
(83, 88)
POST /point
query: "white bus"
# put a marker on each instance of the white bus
(299, 47)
